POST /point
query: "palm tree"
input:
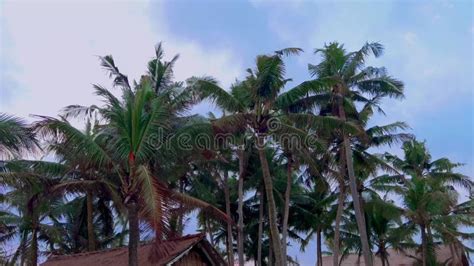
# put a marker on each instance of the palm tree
(127, 144)
(236, 102)
(80, 175)
(130, 126)
(31, 195)
(386, 229)
(341, 80)
(71, 220)
(367, 165)
(35, 191)
(210, 182)
(427, 190)
(265, 84)
(314, 213)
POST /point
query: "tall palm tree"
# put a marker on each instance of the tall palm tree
(80, 175)
(235, 102)
(259, 107)
(341, 80)
(367, 165)
(126, 144)
(129, 127)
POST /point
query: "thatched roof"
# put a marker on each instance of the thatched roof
(173, 251)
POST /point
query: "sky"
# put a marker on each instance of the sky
(48, 53)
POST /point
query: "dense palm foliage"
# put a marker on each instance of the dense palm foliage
(280, 165)
(16, 137)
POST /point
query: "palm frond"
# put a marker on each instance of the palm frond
(357, 59)
(72, 138)
(289, 51)
(161, 73)
(270, 77)
(16, 137)
(79, 111)
(234, 123)
(382, 86)
(153, 209)
(290, 97)
(324, 122)
(208, 88)
(107, 62)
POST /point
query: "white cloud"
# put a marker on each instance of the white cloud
(54, 48)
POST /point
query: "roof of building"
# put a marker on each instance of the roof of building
(443, 254)
(170, 250)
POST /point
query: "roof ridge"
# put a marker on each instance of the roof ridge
(188, 236)
(86, 253)
(143, 243)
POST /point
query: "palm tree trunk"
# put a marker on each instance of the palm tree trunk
(319, 253)
(286, 210)
(429, 237)
(353, 187)
(240, 226)
(272, 213)
(270, 252)
(455, 254)
(424, 245)
(20, 252)
(134, 235)
(230, 248)
(180, 225)
(337, 236)
(357, 207)
(90, 222)
(260, 229)
(33, 256)
(382, 251)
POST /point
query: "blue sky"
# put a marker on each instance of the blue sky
(47, 52)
